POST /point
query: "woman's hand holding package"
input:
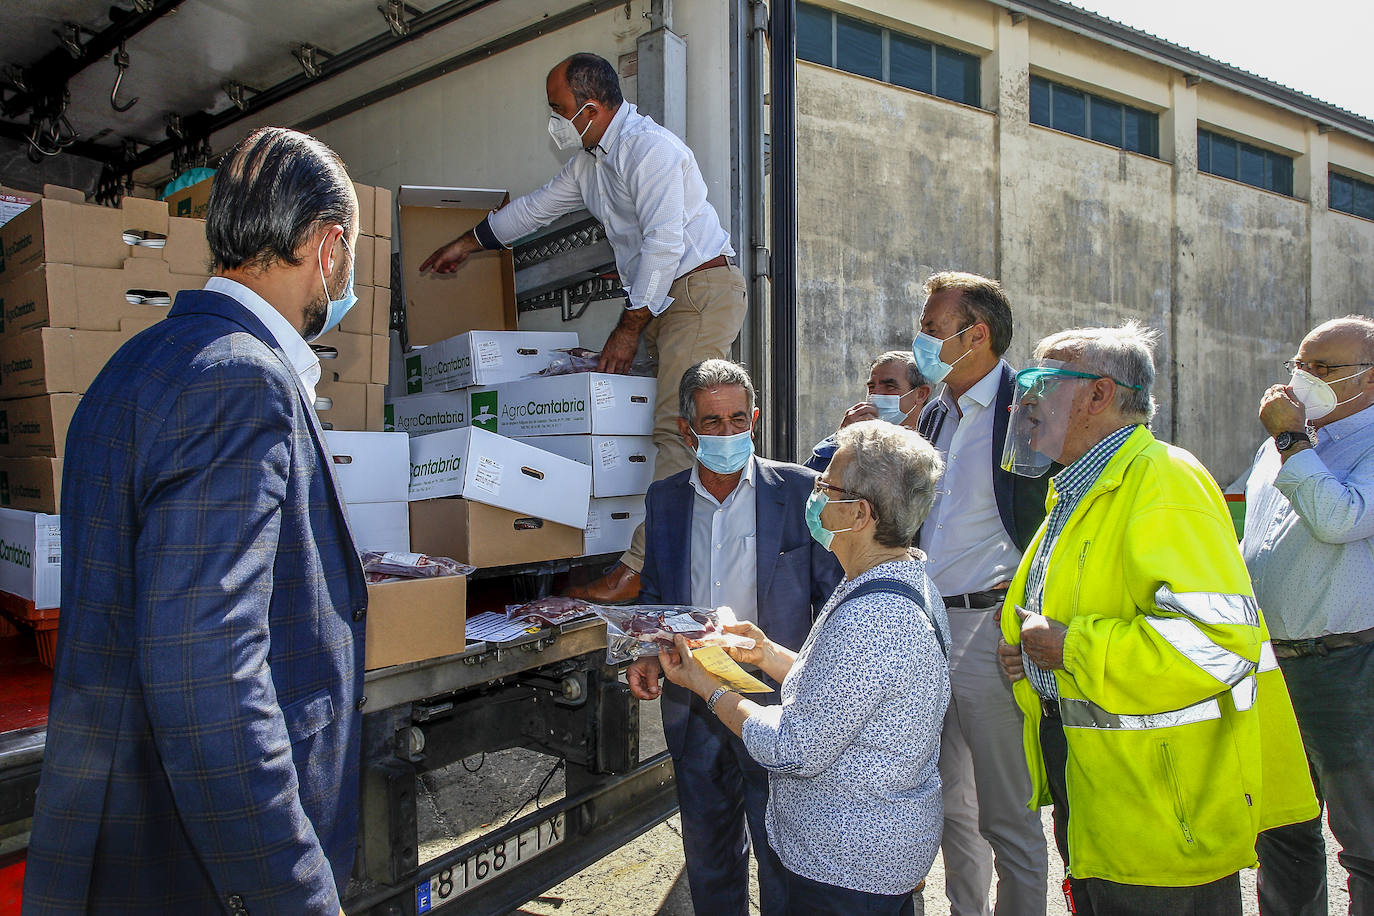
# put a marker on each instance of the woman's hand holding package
(685, 671)
(769, 657)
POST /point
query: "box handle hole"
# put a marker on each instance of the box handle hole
(531, 472)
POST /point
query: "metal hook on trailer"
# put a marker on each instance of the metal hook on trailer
(121, 62)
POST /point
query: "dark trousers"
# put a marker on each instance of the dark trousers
(813, 898)
(1096, 897)
(720, 789)
(1332, 696)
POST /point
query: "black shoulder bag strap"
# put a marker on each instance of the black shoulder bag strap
(910, 592)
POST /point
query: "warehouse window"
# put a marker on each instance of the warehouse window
(1239, 161)
(855, 46)
(1086, 115)
(1350, 195)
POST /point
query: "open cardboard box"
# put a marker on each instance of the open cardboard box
(480, 295)
(483, 535)
(415, 619)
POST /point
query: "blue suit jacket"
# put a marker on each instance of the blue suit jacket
(203, 737)
(795, 574)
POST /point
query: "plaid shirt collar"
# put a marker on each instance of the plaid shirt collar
(1074, 481)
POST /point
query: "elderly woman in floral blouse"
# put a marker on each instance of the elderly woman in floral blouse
(854, 810)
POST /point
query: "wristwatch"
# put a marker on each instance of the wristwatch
(715, 697)
(1287, 439)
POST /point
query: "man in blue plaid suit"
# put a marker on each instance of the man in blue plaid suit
(203, 737)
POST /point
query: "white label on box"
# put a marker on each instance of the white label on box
(488, 475)
(593, 524)
(489, 354)
(603, 396)
(610, 454)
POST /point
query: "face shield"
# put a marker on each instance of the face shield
(1039, 421)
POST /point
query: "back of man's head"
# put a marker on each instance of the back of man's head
(591, 77)
(275, 188)
(981, 299)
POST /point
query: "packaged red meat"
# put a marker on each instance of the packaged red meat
(381, 566)
(552, 610)
(580, 359)
(635, 630)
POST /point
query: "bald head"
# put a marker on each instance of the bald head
(1352, 331)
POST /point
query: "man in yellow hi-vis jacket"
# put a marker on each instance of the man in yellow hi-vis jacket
(1157, 721)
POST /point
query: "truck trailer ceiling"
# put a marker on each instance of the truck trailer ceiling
(211, 70)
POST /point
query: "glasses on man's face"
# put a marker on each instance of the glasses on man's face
(724, 426)
(1319, 369)
(822, 487)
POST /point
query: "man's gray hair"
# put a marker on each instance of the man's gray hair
(913, 375)
(710, 373)
(1125, 354)
(893, 468)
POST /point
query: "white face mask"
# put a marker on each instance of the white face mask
(564, 132)
(1316, 396)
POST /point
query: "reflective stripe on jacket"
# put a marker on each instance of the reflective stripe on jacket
(1181, 736)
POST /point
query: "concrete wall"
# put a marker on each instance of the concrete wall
(893, 184)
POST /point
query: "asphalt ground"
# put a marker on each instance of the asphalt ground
(646, 877)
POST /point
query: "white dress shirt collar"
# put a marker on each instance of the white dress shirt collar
(747, 477)
(608, 140)
(983, 392)
(284, 334)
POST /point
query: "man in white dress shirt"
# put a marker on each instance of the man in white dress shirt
(685, 295)
(982, 520)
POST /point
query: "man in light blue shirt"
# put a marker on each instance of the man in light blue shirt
(1309, 546)
(684, 293)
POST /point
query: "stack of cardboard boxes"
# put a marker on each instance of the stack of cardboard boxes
(573, 452)
(77, 280)
(354, 357)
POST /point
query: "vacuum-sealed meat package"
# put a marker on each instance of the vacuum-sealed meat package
(646, 629)
(384, 566)
(552, 610)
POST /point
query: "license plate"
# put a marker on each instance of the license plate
(486, 864)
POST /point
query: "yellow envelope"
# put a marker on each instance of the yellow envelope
(714, 660)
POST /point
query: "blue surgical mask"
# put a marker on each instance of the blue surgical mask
(926, 349)
(725, 454)
(815, 505)
(338, 308)
(889, 407)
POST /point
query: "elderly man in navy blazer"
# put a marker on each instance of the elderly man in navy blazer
(203, 738)
(730, 530)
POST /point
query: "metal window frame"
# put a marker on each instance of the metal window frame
(1355, 185)
(1268, 156)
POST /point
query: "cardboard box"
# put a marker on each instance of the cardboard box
(187, 250)
(89, 298)
(482, 535)
(370, 467)
(86, 235)
(415, 619)
(374, 210)
(478, 296)
(34, 484)
(372, 262)
(371, 314)
(191, 201)
(31, 557)
(57, 360)
(14, 202)
(351, 406)
(36, 426)
(483, 358)
(502, 472)
(621, 465)
(611, 523)
(560, 405)
(352, 357)
(380, 526)
(418, 414)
